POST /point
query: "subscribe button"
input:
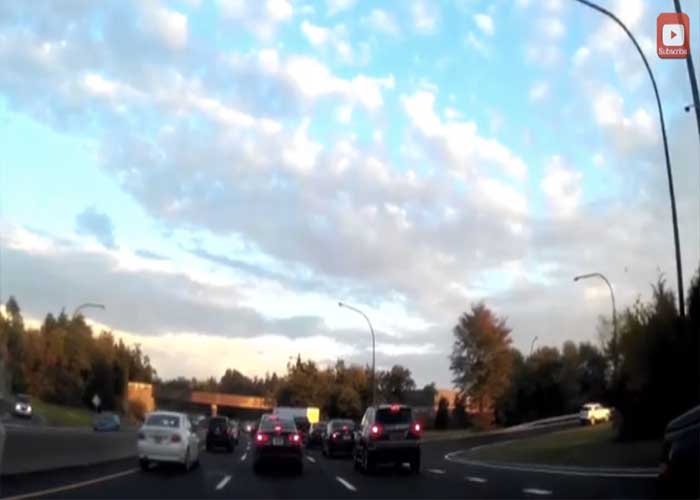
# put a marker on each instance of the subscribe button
(672, 35)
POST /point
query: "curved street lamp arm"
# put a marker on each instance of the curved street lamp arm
(371, 329)
(86, 305)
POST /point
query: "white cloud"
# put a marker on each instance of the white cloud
(485, 23)
(477, 44)
(523, 3)
(582, 55)
(261, 17)
(382, 21)
(316, 35)
(503, 196)
(562, 186)
(168, 25)
(598, 160)
(553, 28)
(336, 6)
(344, 114)
(279, 10)
(425, 16)
(539, 91)
(302, 152)
(322, 37)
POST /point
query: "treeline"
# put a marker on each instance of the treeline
(650, 375)
(64, 362)
(339, 391)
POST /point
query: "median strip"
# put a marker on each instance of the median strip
(73, 486)
(345, 483)
(223, 482)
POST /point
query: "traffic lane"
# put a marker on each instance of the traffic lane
(513, 483)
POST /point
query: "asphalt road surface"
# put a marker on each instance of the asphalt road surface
(224, 475)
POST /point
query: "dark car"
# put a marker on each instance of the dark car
(278, 443)
(388, 434)
(303, 426)
(22, 406)
(680, 460)
(106, 422)
(220, 434)
(338, 438)
(316, 434)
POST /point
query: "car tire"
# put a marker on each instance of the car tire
(187, 464)
(300, 468)
(143, 463)
(368, 464)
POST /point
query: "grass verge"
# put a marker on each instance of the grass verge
(584, 446)
(63, 416)
(433, 435)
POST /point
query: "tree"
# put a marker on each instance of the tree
(442, 416)
(481, 360)
(393, 384)
(459, 412)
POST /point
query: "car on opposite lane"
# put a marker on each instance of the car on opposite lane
(278, 443)
(167, 437)
(338, 438)
(388, 434)
(106, 422)
(220, 434)
(22, 406)
(591, 413)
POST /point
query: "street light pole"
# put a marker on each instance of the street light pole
(674, 216)
(532, 345)
(85, 306)
(374, 374)
(691, 75)
(614, 312)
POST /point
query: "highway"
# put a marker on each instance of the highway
(224, 475)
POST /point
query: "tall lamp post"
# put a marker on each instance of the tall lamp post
(86, 306)
(614, 311)
(674, 216)
(374, 375)
(532, 345)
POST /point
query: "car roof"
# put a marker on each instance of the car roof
(167, 414)
(389, 406)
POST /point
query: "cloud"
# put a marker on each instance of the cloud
(96, 224)
(168, 25)
(323, 37)
(425, 16)
(485, 23)
(598, 160)
(562, 186)
(147, 254)
(382, 21)
(335, 7)
(539, 91)
(553, 28)
(477, 44)
(261, 17)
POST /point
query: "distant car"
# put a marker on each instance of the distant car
(106, 422)
(303, 426)
(338, 438)
(235, 430)
(591, 413)
(680, 459)
(316, 434)
(249, 427)
(220, 434)
(167, 437)
(388, 434)
(277, 442)
(22, 406)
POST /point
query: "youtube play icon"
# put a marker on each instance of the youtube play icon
(672, 35)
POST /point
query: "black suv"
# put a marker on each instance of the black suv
(680, 461)
(388, 434)
(220, 433)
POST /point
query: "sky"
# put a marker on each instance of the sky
(220, 174)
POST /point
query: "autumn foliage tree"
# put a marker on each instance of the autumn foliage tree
(481, 359)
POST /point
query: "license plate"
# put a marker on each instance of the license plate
(346, 438)
(396, 436)
(277, 441)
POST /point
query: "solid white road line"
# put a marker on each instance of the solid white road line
(73, 486)
(243, 457)
(436, 471)
(536, 491)
(223, 482)
(311, 459)
(475, 479)
(345, 483)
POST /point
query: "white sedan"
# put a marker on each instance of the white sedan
(594, 412)
(168, 437)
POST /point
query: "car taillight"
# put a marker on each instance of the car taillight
(395, 408)
(375, 431)
(142, 436)
(261, 438)
(176, 438)
(296, 438)
(415, 429)
(334, 435)
(278, 428)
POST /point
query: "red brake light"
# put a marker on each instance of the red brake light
(395, 408)
(261, 438)
(176, 438)
(296, 438)
(375, 431)
(345, 427)
(334, 435)
(416, 427)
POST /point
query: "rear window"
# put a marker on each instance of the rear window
(389, 417)
(163, 421)
(215, 423)
(269, 425)
(302, 422)
(339, 424)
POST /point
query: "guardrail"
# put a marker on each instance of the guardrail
(38, 448)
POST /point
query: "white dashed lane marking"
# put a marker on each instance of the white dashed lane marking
(311, 459)
(475, 479)
(223, 482)
(436, 471)
(243, 457)
(345, 483)
(536, 491)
